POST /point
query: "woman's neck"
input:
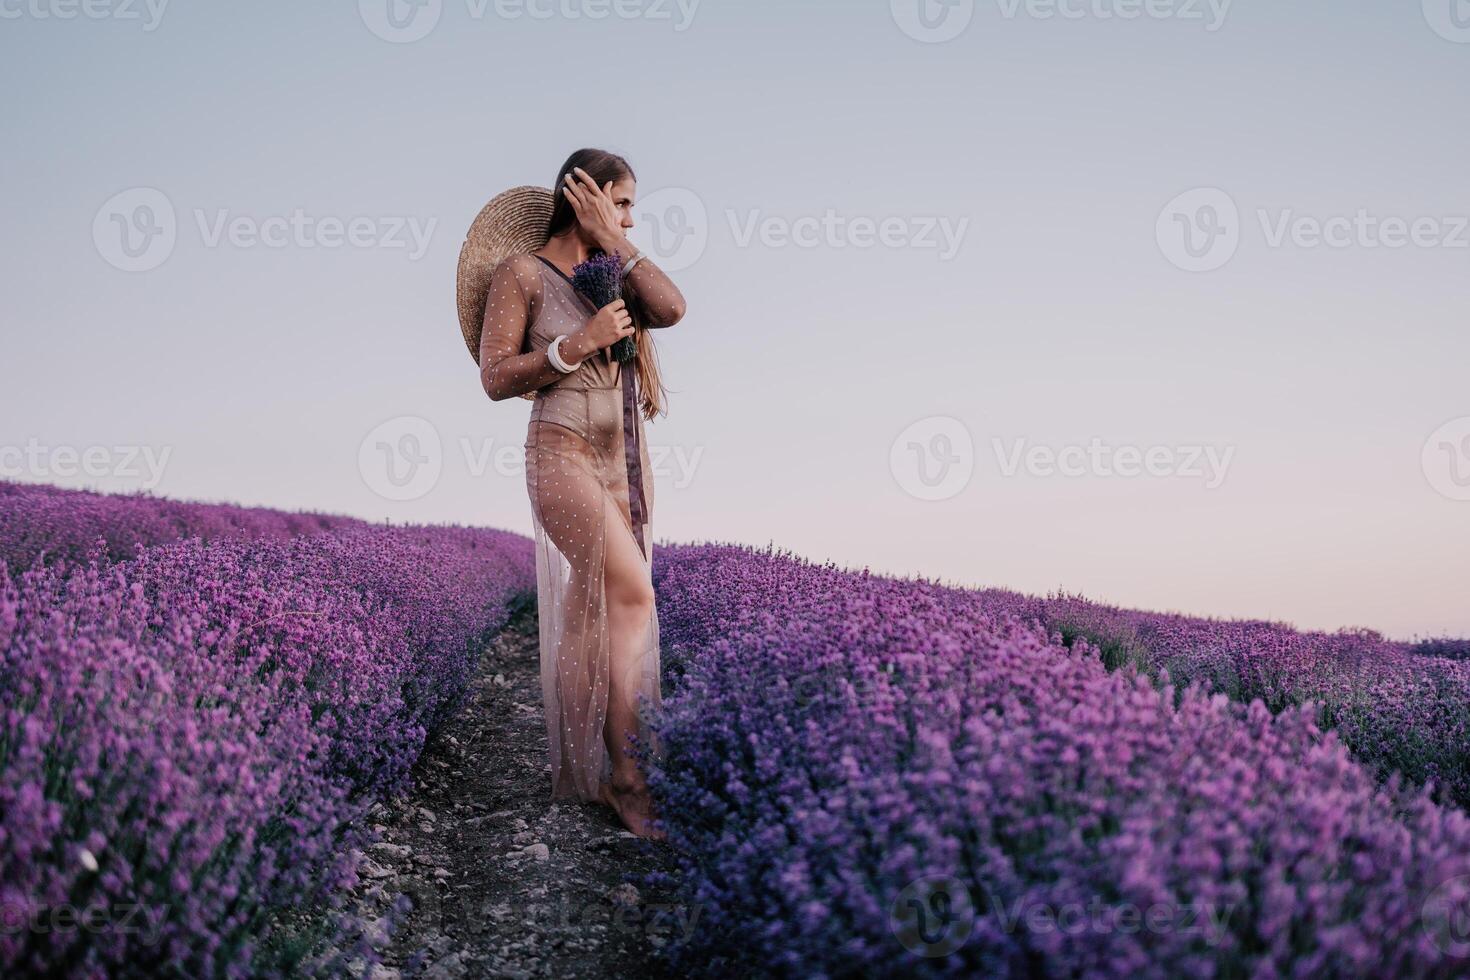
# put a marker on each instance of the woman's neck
(566, 250)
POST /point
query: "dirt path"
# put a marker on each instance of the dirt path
(504, 882)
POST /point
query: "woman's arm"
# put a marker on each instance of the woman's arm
(646, 285)
(659, 298)
(504, 371)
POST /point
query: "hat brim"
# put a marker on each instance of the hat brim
(514, 222)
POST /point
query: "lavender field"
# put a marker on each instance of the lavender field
(870, 776)
(864, 775)
(196, 714)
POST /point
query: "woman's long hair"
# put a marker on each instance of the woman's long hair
(602, 167)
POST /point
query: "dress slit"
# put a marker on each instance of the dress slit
(573, 480)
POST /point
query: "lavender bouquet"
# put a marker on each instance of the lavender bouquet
(600, 279)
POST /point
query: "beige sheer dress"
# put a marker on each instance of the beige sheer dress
(586, 459)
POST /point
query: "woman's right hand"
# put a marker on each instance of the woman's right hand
(606, 327)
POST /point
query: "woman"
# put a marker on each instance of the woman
(588, 477)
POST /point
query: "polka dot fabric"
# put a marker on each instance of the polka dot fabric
(579, 443)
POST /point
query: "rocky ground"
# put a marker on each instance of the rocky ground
(504, 882)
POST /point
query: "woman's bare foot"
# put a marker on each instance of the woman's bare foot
(631, 801)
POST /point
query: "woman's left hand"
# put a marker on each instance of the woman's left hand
(595, 209)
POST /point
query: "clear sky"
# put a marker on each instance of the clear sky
(952, 273)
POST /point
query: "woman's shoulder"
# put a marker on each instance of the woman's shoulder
(523, 265)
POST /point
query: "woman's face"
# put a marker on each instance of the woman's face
(623, 192)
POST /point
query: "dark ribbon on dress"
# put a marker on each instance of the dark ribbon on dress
(631, 452)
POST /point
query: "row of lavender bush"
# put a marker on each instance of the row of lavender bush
(1399, 707)
(38, 521)
(189, 739)
(869, 776)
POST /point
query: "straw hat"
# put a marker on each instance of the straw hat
(514, 221)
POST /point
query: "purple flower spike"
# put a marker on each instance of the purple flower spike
(600, 279)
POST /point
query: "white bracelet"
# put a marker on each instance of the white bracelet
(637, 257)
(553, 352)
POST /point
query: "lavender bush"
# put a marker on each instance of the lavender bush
(1399, 707)
(864, 775)
(881, 777)
(1446, 647)
(40, 521)
(188, 740)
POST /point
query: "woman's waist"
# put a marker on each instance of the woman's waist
(581, 388)
(589, 407)
(586, 384)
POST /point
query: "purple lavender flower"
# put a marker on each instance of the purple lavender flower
(600, 279)
(870, 776)
(864, 775)
(196, 732)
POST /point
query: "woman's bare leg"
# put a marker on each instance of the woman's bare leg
(629, 612)
(567, 498)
